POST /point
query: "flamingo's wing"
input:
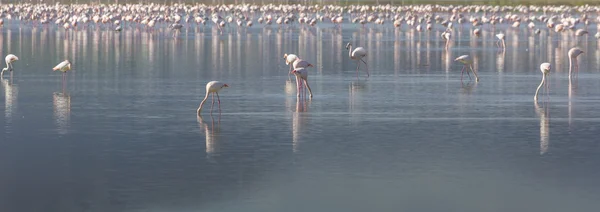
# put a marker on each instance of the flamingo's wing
(360, 51)
(60, 65)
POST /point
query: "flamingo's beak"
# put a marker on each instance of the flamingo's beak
(310, 65)
(225, 85)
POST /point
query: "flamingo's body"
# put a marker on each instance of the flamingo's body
(357, 54)
(299, 63)
(467, 63)
(545, 69)
(64, 66)
(9, 60)
(212, 87)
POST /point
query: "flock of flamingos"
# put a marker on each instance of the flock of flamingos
(572, 20)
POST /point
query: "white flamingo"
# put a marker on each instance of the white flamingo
(447, 35)
(467, 63)
(500, 37)
(573, 54)
(9, 60)
(357, 54)
(545, 69)
(63, 67)
(212, 87)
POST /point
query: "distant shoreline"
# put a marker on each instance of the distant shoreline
(328, 2)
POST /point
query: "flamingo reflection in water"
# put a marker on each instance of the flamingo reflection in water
(299, 121)
(212, 134)
(544, 116)
(11, 92)
(62, 110)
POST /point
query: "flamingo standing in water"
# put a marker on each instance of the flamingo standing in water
(212, 87)
(500, 37)
(302, 76)
(573, 54)
(63, 67)
(447, 35)
(9, 60)
(545, 69)
(357, 54)
(289, 60)
(467, 63)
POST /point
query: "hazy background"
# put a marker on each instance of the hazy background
(338, 2)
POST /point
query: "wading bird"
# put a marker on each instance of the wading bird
(212, 87)
(573, 66)
(63, 67)
(357, 54)
(467, 64)
(447, 35)
(9, 60)
(545, 69)
(500, 37)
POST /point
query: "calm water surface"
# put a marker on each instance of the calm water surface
(123, 134)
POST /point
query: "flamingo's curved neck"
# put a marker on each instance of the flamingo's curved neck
(350, 51)
(570, 65)
(540, 86)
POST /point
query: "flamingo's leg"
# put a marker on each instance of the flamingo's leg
(308, 87)
(468, 74)
(213, 103)
(298, 87)
(462, 72)
(366, 66)
(219, 100)
(357, 67)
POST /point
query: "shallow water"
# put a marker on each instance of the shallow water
(123, 135)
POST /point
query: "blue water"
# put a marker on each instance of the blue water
(123, 134)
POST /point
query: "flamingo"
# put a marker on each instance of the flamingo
(447, 36)
(357, 54)
(500, 37)
(9, 60)
(212, 87)
(477, 32)
(302, 77)
(467, 62)
(63, 67)
(289, 60)
(573, 54)
(545, 69)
